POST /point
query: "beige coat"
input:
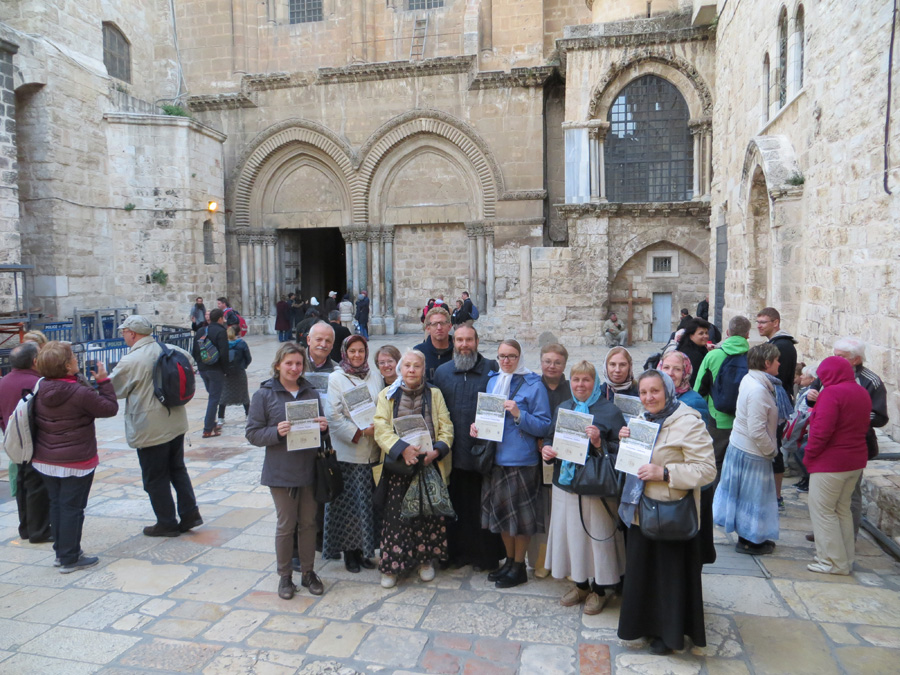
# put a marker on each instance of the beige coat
(685, 447)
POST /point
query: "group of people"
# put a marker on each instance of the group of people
(294, 316)
(721, 410)
(465, 311)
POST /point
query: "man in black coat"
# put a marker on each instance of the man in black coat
(460, 381)
(362, 313)
(436, 347)
(213, 374)
(341, 333)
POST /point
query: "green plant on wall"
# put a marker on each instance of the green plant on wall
(796, 178)
(129, 206)
(175, 110)
(159, 276)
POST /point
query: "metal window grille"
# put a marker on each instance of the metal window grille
(782, 58)
(662, 263)
(766, 86)
(650, 152)
(116, 53)
(424, 4)
(800, 23)
(305, 11)
(209, 252)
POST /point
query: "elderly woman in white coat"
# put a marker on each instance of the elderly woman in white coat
(350, 519)
(745, 500)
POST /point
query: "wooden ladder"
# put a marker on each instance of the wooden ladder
(420, 32)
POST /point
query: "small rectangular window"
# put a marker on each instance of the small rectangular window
(662, 264)
(209, 251)
(425, 4)
(116, 53)
(305, 11)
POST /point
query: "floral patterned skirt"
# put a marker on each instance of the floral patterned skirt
(407, 543)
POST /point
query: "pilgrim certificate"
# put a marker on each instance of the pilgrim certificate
(412, 429)
(489, 415)
(570, 440)
(360, 406)
(319, 381)
(630, 406)
(304, 433)
(635, 451)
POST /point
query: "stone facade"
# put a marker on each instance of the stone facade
(10, 245)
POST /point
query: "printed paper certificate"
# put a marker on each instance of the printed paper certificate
(412, 429)
(304, 431)
(569, 438)
(360, 406)
(319, 382)
(489, 416)
(636, 450)
(630, 406)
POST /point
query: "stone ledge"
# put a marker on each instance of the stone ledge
(367, 72)
(522, 195)
(517, 77)
(698, 209)
(230, 101)
(143, 119)
(881, 490)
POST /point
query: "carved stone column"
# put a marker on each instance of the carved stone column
(363, 263)
(707, 159)
(387, 238)
(472, 233)
(354, 244)
(695, 132)
(348, 260)
(257, 275)
(269, 307)
(489, 261)
(481, 292)
(374, 246)
(243, 239)
(596, 139)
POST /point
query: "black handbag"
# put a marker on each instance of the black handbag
(483, 456)
(597, 478)
(400, 467)
(329, 481)
(669, 521)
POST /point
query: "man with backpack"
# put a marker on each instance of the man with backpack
(211, 355)
(718, 379)
(155, 430)
(232, 318)
(32, 499)
(469, 312)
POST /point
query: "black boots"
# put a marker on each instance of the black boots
(516, 576)
(501, 571)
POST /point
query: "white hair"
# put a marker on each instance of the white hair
(410, 352)
(851, 345)
(810, 371)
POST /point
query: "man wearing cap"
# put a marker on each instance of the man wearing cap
(156, 432)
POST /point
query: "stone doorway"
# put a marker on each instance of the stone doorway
(314, 262)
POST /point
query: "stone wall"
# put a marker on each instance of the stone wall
(835, 266)
(10, 246)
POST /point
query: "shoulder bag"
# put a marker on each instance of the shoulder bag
(329, 481)
(427, 495)
(669, 521)
(597, 478)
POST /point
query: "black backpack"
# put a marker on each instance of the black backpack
(173, 377)
(724, 389)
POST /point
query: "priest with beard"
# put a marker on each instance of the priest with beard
(460, 381)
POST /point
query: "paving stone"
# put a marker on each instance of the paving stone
(648, 664)
(394, 614)
(268, 640)
(132, 622)
(795, 570)
(721, 637)
(345, 599)
(39, 575)
(338, 640)
(560, 630)
(24, 598)
(716, 666)
(741, 594)
(30, 664)
(170, 655)
(392, 646)
(440, 662)
(413, 596)
(271, 602)
(104, 611)
(15, 552)
(201, 611)
(236, 626)
(327, 668)
(501, 651)
(839, 634)
(220, 585)
(806, 651)
(479, 667)
(467, 619)
(137, 576)
(177, 628)
(832, 603)
(240, 518)
(789, 595)
(156, 606)
(456, 642)
(15, 633)
(251, 542)
(594, 660)
(294, 624)
(867, 660)
(236, 558)
(76, 644)
(548, 660)
(256, 661)
(879, 636)
(249, 500)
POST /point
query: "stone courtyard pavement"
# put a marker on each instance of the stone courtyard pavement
(205, 602)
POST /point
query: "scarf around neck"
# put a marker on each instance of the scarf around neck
(629, 381)
(785, 410)
(504, 380)
(567, 469)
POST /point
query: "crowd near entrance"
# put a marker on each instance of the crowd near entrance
(314, 261)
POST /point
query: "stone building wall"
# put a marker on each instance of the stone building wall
(10, 246)
(826, 249)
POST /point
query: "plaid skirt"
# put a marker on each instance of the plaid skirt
(511, 500)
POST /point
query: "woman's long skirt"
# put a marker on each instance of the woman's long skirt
(407, 543)
(662, 595)
(572, 553)
(350, 519)
(234, 389)
(745, 499)
(511, 500)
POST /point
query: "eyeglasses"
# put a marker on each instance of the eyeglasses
(386, 364)
(507, 357)
(763, 321)
(438, 323)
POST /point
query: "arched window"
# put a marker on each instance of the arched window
(649, 150)
(209, 251)
(782, 57)
(116, 53)
(766, 87)
(799, 45)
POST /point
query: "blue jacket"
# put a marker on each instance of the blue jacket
(519, 444)
(697, 402)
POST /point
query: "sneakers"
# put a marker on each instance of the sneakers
(191, 521)
(286, 588)
(82, 563)
(781, 506)
(575, 596)
(803, 485)
(161, 531)
(595, 603)
(311, 581)
(388, 580)
(426, 572)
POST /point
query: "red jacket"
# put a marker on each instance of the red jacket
(64, 413)
(12, 386)
(839, 422)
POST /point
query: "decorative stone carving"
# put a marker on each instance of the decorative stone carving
(607, 209)
(367, 72)
(517, 77)
(522, 195)
(229, 101)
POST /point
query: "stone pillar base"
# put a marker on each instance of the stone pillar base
(376, 326)
(260, 325)
(389, 327)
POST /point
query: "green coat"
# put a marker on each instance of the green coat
(712, 362)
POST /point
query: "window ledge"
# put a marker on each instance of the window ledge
(781, 112)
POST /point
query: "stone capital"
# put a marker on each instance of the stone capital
(475, 229)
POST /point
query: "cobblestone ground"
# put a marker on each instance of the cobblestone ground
(205, 602)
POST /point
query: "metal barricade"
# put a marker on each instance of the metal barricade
(4, 361)
(108, 351)
(176, 335)
(55, 330)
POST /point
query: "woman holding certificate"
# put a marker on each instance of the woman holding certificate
(350, 409)
(662, 598)
(584, 542)
(413, 430)
(511, 494)
(618, 374)
(288, 472)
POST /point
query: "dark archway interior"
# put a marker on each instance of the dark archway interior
(322, 262)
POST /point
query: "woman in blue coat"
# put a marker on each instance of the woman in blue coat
(511, 494)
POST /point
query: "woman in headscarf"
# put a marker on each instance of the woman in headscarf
(662, 598)
(407, 543)
(584, 542)
(511, 494)
(745, 500)
(350, 519)
(618, 374)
